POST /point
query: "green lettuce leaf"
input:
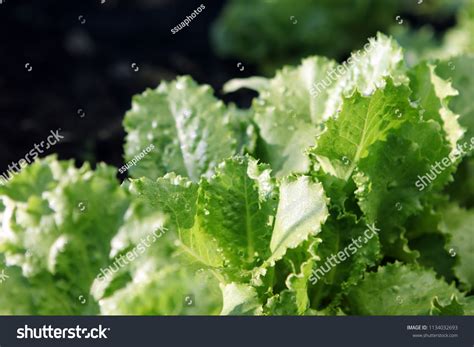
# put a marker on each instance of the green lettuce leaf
(190, 130)
(299, 99)
(454, 308)
(389, 181)
(286, 114)
(295, 270)
(160, 288)
(301, 211)
(58, 233)
(240, 299)
(227, 222)
(433, 94)
(357, 247)
(459, 71)
(397, 289)
(362, 121)
(457, 225)
(155, 282)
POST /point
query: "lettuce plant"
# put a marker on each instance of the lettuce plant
(257, 202)
(57, 224)
(272, 33)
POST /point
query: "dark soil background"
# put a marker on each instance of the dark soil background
(86, 69)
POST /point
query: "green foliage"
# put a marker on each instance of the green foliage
(190, 129)
(398, 289)
(424, 44)
(307, 203)
(277, 32)
(57, 225)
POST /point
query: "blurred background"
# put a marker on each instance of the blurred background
(87, 58)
